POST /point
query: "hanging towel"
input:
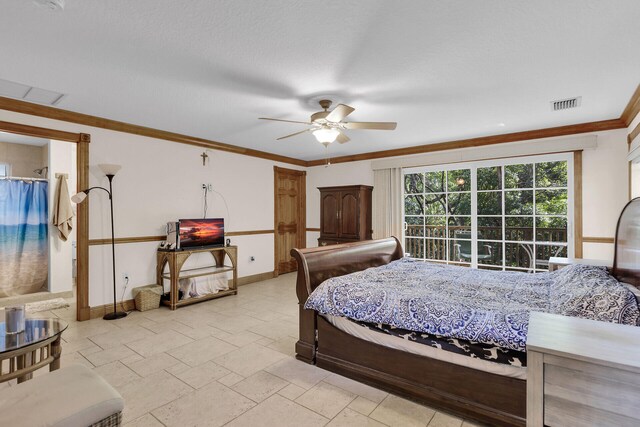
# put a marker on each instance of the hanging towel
(62, 209)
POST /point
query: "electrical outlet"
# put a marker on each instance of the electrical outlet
(252, 258)
(125, 277)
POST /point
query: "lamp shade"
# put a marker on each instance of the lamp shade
(109, 169)
(79, 197)
(326, 135)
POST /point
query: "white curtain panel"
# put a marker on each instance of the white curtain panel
(387, 203)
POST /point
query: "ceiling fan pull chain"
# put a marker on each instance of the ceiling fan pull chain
(328, 163)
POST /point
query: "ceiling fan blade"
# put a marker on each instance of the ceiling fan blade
(293, 134)
(340, 112)
(370, 125)
(342, 138)
(280, 120)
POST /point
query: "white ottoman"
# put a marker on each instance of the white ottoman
(74, 396)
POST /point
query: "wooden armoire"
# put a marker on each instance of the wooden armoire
(345, 214)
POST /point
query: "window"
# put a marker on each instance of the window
(503, 214)
(438, 214)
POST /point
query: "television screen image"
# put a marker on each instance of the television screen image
(201, 232)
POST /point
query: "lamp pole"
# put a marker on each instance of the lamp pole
(79, 198)
(116, 314)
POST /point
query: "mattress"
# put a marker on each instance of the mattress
(395, 342)
(480, 306)
(467, 348)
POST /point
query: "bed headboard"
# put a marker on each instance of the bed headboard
(626, 260)
(315, 265)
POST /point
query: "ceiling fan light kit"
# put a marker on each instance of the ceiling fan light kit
(328, 126)
(326, 135)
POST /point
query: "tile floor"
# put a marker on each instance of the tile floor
(230, 362)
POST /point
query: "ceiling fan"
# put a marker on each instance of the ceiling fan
(328, 126)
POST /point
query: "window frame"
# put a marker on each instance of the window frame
(503, 162)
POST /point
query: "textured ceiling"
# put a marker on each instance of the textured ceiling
(442, 70)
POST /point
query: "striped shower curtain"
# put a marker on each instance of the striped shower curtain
(23, 237)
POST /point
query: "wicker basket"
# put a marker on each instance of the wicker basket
(147, 297)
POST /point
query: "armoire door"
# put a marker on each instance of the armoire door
(329, 214)
(348, 215)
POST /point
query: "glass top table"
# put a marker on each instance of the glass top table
(37, 346)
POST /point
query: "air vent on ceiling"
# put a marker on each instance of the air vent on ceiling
(15, 90)
(565, 104)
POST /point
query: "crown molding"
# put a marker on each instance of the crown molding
(632, 109)
(24, 107)
(480, 142)
(39, 132)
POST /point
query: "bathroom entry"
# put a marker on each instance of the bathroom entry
(31, 253)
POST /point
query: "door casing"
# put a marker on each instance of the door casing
(82, 217)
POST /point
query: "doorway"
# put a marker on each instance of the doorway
(81, 167)
(37, 257)
(24, 197)
(289, 216)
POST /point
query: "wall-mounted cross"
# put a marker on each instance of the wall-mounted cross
(205, 157)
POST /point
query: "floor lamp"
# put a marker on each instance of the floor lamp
(110, 171)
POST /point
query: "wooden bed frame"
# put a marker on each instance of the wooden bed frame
(483, 396)
(470, 393)
(626, 258)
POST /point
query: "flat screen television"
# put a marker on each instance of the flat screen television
(199, 233)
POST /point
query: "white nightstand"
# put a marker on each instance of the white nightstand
(582, 372)
(556, 263)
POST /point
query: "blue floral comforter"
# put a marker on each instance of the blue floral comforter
(484, 306)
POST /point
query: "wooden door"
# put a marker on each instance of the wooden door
(348, 215)
(289, 216)
(329, 214)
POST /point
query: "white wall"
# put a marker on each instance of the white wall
(22, 158)
(62, 159)
(45, 156)
(635, 180)
(634, 156)
(605, 189)
(161, 181)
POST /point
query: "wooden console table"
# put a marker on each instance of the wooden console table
(176, 259)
